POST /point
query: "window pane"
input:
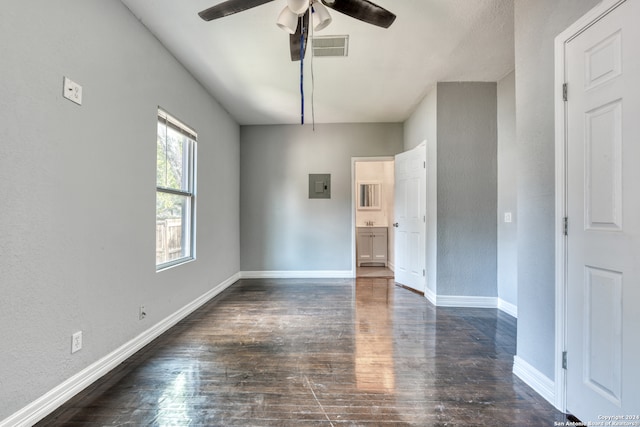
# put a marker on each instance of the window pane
(173, 159)
(173, 234)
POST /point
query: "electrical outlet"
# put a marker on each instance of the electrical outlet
(142, 313)
(72, 91)
(76, 341)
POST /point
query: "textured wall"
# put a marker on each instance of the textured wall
(467, 189)
(284, 230)
(537, 23)
(507, 191)
(77, 184)
(421, 126)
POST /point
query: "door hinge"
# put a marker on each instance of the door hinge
(565, 92)
(565, 227)
(564, 360)
(424, 272)
(424, 165)
(424, 218)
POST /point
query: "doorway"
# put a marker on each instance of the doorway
(373, 198)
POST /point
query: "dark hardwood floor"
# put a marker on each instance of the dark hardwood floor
(319, 353)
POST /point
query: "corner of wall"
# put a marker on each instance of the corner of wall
(535, 379)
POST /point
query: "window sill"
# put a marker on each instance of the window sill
(174, 263)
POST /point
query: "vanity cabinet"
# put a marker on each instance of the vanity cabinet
(372, 245)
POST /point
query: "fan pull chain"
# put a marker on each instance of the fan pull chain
(313, 80)
(302, 70)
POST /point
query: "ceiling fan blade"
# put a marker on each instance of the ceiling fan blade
(296, 38)
(363, 10)
(230, 7)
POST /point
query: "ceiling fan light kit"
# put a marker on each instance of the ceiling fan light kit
(288, 18)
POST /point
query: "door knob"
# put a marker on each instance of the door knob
(395, 224)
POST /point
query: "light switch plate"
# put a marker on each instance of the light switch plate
(508, 217)
(72, 91)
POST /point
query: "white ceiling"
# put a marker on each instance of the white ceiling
(243, 59)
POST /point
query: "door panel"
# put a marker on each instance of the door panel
(379, 247)
(603, 167)
(603, 332)
(364, 248)
(603, 208)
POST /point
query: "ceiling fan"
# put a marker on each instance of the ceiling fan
(294, 18)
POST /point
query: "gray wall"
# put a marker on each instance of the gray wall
(537, 23)
(77, 184)
(507, 191)
(467, 189)
(421, 126)
(281, 228)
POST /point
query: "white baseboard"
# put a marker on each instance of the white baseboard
(287, 274)
(507, 307)
(57, 396)
(539, 382)
(466, 301)
(470, 302)
(431, 296)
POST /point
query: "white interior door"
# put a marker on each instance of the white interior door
(410, 218)
(602, 69)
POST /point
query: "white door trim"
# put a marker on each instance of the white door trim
(561, 40)
(354, 201)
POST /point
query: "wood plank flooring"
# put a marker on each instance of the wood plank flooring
(319, 353)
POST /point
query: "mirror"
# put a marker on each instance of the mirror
(369, 195)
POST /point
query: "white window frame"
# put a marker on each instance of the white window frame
(188, 236)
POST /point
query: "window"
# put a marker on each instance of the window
(175, 191)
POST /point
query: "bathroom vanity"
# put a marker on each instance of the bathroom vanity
(371, 246)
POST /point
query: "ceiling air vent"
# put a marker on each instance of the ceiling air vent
(331, 46)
